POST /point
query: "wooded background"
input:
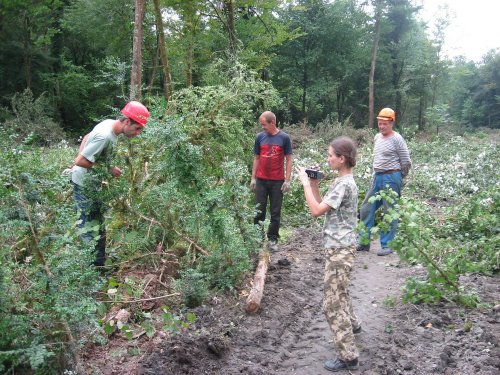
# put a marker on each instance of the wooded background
(325, 58)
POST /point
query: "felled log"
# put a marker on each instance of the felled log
(253, 300)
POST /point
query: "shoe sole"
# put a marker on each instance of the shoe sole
(384, 254)
(341, 369)
(362, 249)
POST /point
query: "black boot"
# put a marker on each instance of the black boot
(338, 364)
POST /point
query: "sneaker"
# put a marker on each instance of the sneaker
(363, 247)
(356, 330)
(385, 251)
(273, 246)
(338, 364)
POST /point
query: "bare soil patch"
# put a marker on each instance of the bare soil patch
(290, 334)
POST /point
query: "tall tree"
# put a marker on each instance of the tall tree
(231, 30)
(136, 73)
(322, 73)
(162, 46)
(377, 4)
(399, 43)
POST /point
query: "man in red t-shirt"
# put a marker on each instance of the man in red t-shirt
(270, 175)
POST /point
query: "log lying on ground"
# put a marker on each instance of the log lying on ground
(253, 300)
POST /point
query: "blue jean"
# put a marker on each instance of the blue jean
(271, 189)
(381, 181)
(91, 211)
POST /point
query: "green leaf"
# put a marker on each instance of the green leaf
(109, 327)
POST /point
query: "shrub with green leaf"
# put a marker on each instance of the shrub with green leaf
(47, 285)
(188, 177)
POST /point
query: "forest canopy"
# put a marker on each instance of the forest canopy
(317, 54)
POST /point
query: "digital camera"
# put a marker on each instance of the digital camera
(314, 174)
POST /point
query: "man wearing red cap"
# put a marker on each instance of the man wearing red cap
(97, 148)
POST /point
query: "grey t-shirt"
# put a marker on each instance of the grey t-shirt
(99, 146)
(339, 229)
(391, 154)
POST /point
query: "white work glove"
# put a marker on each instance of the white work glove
(285, 187)
(253, 183)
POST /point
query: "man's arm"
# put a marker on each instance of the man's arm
(81, 161)
(288, 171)
(404, 157)
(253, 182)
(83, 143)
(256, 161)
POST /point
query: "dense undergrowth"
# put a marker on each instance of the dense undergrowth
(184, 197)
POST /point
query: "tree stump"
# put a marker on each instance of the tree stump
(253, 300)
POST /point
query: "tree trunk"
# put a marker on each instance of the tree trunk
(231, 31)
(189, 60)
(371, 80)
(153, 71)
(255, 296)
(189, 29)
(162, 46)
(304, 81)
(421, 110)
(136, 74)
(27, 50)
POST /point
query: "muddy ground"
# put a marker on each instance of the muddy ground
(290, 334)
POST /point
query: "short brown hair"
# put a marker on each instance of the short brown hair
(269, 117)
(344, 146)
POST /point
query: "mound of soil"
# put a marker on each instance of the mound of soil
(290, 334)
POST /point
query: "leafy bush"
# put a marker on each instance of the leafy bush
(31, 123)
(188, 179)
(193, 287)
(463, 167)
(464, 240)
(48, 302)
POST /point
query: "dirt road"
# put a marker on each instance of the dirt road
(290, 334)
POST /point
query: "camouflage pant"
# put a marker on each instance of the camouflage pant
(337, 304)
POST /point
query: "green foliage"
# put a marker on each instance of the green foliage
(435, 244)
(193, 288)
(466, 166)
(31, 123)
(389, 302)
(188, 177)
(176, 323)
(323, 70)
(48, 299)
(473, 98)
(475, 225)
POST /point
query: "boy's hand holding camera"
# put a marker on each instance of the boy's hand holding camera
(309, 176)
(314, 173)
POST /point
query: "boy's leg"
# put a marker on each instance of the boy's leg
(337, 304)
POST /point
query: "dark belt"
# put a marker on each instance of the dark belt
(390, 171)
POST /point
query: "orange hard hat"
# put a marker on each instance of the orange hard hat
(137, 112)
(387, 114)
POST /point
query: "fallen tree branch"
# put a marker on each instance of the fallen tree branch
(143, 299)
(183, 236)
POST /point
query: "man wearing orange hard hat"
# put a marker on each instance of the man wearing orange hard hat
(97, 149)
(391, 162)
